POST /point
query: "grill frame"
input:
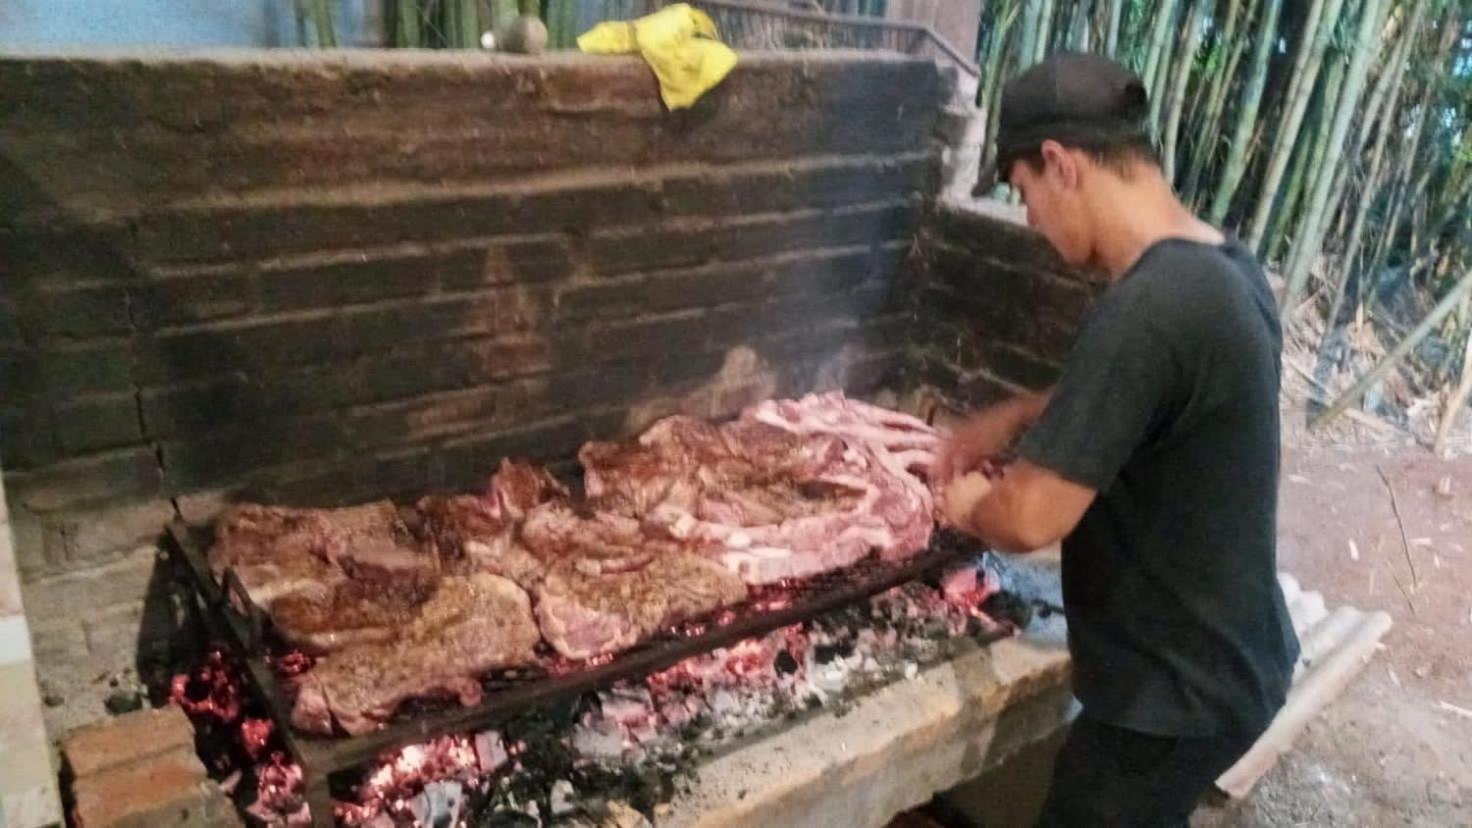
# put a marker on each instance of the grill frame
(321, 757)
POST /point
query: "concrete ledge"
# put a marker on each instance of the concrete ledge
(895, 749)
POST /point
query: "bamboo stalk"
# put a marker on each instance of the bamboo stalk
(407, 31)
(322, 23)
(1305, 72)
(1156, 45)
(997, 50)
(1298, 168)
(1210, 126)
(1111, 31)
(1078, 27)
(1311, 237)
(1031, 10)
(1456, 402)
(1045, 31)
(1246, 118)
(1190, 40)
(1158, 76)
(1384, 121)
(1443, 308)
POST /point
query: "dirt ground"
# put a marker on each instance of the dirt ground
(1389, 751)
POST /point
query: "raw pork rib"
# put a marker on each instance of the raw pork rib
(472, 624)
(785, 492)
(912, 440)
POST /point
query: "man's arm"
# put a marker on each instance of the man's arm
(987, 434)
(1027, 509)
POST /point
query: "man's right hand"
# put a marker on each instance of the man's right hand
(986, 435)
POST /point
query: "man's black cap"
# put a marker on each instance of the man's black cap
(1075, 99)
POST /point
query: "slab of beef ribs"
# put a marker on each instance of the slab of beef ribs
(471, 625)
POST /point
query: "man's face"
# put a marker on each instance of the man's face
(1054, 206)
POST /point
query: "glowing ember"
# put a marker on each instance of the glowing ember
(293, 664)
(211, 691)
(255, 734)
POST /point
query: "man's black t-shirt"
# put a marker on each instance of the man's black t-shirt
(1168, 407)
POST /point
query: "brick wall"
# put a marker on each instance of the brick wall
(995, 309)
(323, 279)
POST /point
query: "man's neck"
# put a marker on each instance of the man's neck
(1133, 214)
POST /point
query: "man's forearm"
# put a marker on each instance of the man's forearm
(1023, 411)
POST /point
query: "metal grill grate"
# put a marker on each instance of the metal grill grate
(510, 693)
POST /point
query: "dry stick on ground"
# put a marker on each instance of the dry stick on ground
(1443, 308)
(1405, 543)
(1394, 577)
(1459, 399)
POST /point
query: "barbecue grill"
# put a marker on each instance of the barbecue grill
(509, 693)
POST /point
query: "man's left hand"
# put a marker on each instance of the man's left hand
(961, 496)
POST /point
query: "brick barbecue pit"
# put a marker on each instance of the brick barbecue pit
(323, 279)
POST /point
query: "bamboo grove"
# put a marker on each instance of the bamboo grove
(1329, 135)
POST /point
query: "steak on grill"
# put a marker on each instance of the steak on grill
(326, 617)
(472, 624)
(584, 615)
(276, 550)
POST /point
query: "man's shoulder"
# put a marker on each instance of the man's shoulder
(1194, 284)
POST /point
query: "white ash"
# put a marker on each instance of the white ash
(563, 798)
(438, 805)
(741, 690)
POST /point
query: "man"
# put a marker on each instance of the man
(1154, 460)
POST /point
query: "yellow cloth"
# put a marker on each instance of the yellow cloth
(679, 44)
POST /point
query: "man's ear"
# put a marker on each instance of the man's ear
(1062, 162)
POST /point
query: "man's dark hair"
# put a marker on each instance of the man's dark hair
(1118, 156)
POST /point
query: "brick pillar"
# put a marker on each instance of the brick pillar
(27, 779)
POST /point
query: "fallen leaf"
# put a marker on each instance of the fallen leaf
(1444, 486)
(1354, 551)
